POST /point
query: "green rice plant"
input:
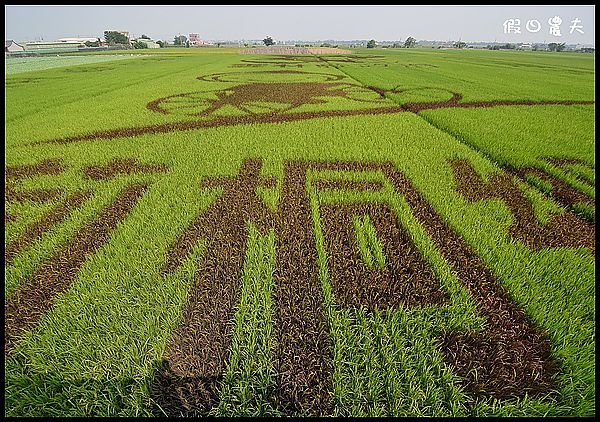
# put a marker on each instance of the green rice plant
(100, 347)
(249, 379)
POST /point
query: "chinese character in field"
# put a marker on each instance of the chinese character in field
(575, 26)
(533, 25)
(512, 26)
(555, 26)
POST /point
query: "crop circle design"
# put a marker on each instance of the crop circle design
(260, 98)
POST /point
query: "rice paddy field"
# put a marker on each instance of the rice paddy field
(14, 65)
(199, 232)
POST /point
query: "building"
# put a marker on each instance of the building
(195, 40)
(45, 45)
(80, 40)
(525, 47)
(10, 46)
(149, 43)
(584, 46)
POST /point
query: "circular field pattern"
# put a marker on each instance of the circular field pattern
(272, 76)
(258, 98)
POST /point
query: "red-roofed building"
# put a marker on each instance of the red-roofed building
(195, 40)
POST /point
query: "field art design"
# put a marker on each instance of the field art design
(200, 232)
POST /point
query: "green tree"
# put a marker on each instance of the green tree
(180, 40)
(146, 37)
(114, 37)
(268, 41)
(92, 43)
(410, 42)
(556, 46)
(138, 45)
(371, 44)
(460, 44)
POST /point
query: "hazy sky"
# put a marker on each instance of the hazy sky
(311, 23)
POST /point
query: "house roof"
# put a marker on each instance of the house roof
(30, 43)
(77, 39)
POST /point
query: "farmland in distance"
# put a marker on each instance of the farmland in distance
(383, 232)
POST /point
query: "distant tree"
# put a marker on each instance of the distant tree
(371, 44)
(114, 37)
(556, 46)
(268, 41)
(587, 50)
(460, 44)
(138, 45)
(146, 37)
(507, 46)
(180, 40)
(410, 42)
(161, 43)
(92, 43)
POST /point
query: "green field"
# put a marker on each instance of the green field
(385, 233)
(14, 65)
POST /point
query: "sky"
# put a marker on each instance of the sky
(307, 22)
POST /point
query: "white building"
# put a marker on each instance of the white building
(79, 40)
(43, 45)
(149, 43)
(10, 46)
